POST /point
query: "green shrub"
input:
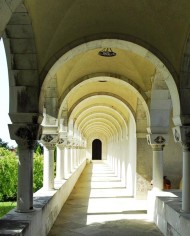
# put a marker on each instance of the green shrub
(38, 172)
(8, 175)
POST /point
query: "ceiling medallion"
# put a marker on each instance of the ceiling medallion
(107, 52)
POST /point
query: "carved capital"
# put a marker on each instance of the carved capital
(25, 132)
(70, 142)
(157, 147)
(62, 142)
(49, 146)
(186, 147)
(75, 143)
(49, 140)
(157, 139)
(182, 135)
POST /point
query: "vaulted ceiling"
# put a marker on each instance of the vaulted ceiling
(87, 82)
(161, 26)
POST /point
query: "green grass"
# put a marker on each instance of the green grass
(5, 207)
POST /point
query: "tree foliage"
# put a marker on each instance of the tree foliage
(4, 144)
(8, 174)
(38, 172)
(38, 149)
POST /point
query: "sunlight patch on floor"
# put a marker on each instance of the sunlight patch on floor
(109, 200)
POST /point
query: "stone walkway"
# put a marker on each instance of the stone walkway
(99, 206)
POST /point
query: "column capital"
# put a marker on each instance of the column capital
(61, 144)
(157, 147)
(157, 139)
(69, 142)
(182, 135)
(75, 142)
(49, 140)
(25, 134)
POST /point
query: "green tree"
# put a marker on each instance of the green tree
(38, 148)
(8, 175)
(4, 144)
(37, 172)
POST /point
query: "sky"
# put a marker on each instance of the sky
(4, 98)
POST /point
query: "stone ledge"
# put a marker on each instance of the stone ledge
(12, 227)
(47, 205)
(168, 216)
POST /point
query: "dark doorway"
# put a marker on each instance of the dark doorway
(96, 150)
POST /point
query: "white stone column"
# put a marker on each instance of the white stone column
(65, 165)
(186, 179)
(78, 155)
(74, 157)
(60, 162)
(69, 160)
(157, 167)
(48, 175)
(182, 135)
(157, 142)
(25, 133)
(25, 177)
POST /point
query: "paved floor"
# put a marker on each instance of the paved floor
(99, 205)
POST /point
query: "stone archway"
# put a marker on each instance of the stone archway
(96, 149)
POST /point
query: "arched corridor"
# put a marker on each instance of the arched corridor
(85, 70)
(100, 205)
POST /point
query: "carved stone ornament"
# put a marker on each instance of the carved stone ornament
(148, 140)
(24, 133)
(159, 140)
(61, 141)
(186, 147)
(176, 136)
(47, 138)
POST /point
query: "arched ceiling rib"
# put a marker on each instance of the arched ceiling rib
(98, 126)
(101, 100)
(101, 111)
(123, 65)
(103, 121)
(141, 53)
(104, 98)
(96, 109)
(98, 115)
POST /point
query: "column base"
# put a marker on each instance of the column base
(25, 211)
(184, 211)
